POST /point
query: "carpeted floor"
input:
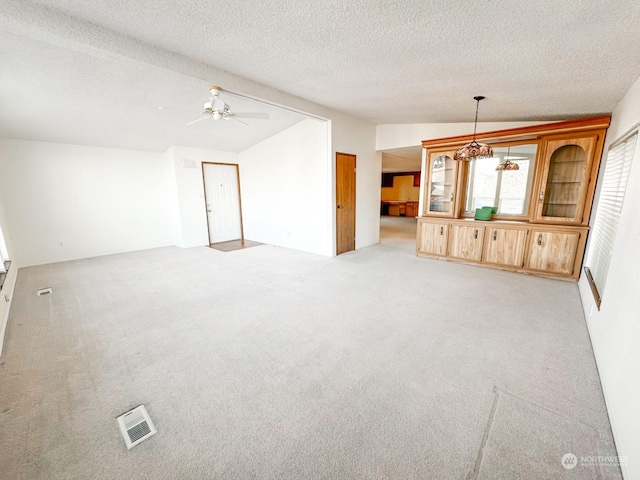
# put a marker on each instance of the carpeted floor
(399, 232)
(267, 363)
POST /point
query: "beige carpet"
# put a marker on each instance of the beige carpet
(267, 363)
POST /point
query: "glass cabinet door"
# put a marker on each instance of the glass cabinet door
(565, 180)
(440, 195)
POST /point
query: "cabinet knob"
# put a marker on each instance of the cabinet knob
(495, 234)
(540, 239)
(441, 230)
(475, 234)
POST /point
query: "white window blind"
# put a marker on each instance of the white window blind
(4, 256)
(607, 219)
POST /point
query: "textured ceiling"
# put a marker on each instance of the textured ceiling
(384, 62)
(55, 94)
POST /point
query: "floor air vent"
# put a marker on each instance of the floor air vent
(136, 426)
(44, 291)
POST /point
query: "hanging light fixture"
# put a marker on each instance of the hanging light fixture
(507, 164)
(474, 149)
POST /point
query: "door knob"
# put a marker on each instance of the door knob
(338, 206)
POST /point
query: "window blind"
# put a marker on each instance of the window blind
(607, 219)
(4, 255)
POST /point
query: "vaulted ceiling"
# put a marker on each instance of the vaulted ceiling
(383, 62)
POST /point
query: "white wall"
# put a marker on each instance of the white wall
(409, 135)
(359, 138)
(64, 202)
(284, 185)
(615, 329)
(186, 192)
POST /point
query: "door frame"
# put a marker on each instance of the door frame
(335, 199)
(204, 185)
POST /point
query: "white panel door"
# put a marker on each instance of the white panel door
(223, 202)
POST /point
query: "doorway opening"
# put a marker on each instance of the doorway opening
(400, 196)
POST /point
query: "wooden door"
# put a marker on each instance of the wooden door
(345, 202)
(432, 238)
(465, 242)
(505, 246)
(552, 252)
(222, 194)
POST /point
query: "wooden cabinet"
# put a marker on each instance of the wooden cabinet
(545, 233)
(432, 238)
(412, 209)
(441, 185)
(566, 173)
(465, 242)
(505, 246)
(545, 250)
(552, 252)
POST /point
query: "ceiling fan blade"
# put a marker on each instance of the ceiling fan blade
(233, 116)
(257, 116)
(198, 119)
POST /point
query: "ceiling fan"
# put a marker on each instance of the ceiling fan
(218, 110)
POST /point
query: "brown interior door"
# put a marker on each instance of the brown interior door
(345, 202)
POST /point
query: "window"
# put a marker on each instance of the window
(506, 189)
(614, 184)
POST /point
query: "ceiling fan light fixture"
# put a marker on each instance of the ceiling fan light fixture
(473, 149)
(216, 109)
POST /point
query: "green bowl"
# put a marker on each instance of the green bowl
(483, 214)
(493, 209)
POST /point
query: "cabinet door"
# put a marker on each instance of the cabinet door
(432, 238)
(442, 173)
(412, 209)
(564, 180)
(505, 246)
(552, 252)
(465, 242)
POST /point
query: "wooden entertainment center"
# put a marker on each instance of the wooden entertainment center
(547, 235)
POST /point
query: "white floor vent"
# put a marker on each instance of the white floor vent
(44, 291)
(136, 426)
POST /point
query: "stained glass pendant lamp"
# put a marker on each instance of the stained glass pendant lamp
(474, 149)
(507, 164)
